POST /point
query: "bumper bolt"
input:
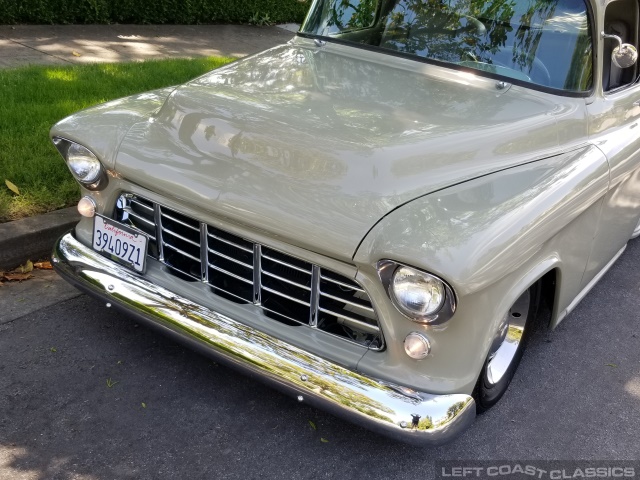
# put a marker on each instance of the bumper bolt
(304, 378)
(300, 398)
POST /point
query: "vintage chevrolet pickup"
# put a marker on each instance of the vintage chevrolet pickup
(372, 216)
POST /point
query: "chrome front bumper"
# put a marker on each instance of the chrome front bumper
(392, 410)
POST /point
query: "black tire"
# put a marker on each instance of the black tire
(487, 393)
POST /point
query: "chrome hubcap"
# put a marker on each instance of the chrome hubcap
(507, 339)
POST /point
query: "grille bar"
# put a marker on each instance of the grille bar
(177, 250)
(157, 216)
(233, 275)
(228, 242)
(286, 264)
(173, 219)
(184, 239)
(282, 279)
(286, 288)
(143, 205)
(342, 284)
(141, 218)
(348, 302)
(231, 259)
(293, 299)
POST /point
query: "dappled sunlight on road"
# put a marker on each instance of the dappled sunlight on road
(632, 387)
(18, 464)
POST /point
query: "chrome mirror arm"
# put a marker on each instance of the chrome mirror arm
(612, 37)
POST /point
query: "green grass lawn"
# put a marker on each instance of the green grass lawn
(32, 99)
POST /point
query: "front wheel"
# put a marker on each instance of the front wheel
(506, 350)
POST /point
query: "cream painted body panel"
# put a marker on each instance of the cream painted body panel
(614, 127)
(300, 142)
(490, 239)
(344, 157)
(102, 128)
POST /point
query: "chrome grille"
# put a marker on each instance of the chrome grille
(287, 288)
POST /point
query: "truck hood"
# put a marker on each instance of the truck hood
(316, 145)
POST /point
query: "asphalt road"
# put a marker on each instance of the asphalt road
(86, 394)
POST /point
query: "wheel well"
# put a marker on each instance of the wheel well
(548, 288)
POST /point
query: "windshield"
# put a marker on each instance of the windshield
(544, 42)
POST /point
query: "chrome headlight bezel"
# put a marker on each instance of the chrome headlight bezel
(98, 179)
(386, 271)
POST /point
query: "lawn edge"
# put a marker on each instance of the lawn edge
(32, 238)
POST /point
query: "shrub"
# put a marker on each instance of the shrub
(150, 11)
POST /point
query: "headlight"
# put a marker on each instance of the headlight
(84, 165)
(418, 295)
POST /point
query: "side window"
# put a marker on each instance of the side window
(621, 19)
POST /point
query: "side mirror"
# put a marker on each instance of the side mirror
(624, 55)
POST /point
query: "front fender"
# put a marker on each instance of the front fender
(103, 127)
(490, 239)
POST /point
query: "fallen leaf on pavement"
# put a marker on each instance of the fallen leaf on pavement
(612, 365)
(43, 265)
(324, 440)
(76, 54)
(26, 268)
(11, 186)
(15, 277)
(313, 425)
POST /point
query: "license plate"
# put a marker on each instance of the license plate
(122, 243)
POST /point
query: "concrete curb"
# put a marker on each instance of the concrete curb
(33, 238)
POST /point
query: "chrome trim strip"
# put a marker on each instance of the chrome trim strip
(348, 302)
(237, 277)
(226, 257)
(157, 217)
(280, 294)
(583, 293)
(257, 270)
(398, 412)
(184, 224)
(315, 289)
(373, 329)
(180, 237)
(175, 249)
(286, 280)
(342, 284)
(143, 205)
(308, 272)
(139, 217)
(204, 260)
(229, 242)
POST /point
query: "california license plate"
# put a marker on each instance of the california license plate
(122, 243)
